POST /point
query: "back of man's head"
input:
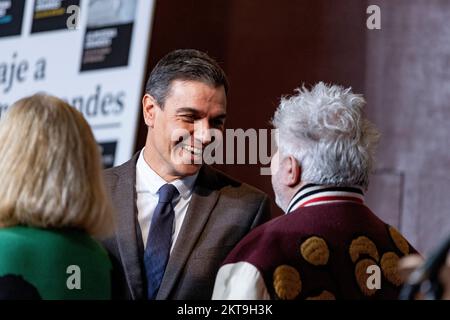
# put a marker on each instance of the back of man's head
(325, 130)
(185, 65)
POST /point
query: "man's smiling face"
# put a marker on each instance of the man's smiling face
(181, 129)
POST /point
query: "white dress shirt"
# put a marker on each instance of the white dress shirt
(148, 183)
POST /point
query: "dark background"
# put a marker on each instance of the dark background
(269, 48)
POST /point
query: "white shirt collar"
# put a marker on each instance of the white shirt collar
(153, 182)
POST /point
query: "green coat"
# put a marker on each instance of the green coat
(52, 264)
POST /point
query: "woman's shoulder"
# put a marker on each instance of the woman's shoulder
(61, 241)
(51, 257)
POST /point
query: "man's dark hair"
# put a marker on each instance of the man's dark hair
(187, 65)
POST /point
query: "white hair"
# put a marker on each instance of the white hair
(325, 130)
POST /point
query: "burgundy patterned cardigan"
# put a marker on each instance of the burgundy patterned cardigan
(329, 246)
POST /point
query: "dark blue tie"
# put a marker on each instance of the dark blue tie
(159, 240)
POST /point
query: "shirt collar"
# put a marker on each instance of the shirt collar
(152, 182)
(314, 194)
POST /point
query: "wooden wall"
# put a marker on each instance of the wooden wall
(408, 88)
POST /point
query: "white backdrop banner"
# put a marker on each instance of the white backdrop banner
(91, 53)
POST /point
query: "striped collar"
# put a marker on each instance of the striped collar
(314, 194)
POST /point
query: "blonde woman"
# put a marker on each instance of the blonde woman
(52, 201)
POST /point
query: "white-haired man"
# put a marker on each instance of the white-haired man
(328, 245)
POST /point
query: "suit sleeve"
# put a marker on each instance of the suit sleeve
(263, 214)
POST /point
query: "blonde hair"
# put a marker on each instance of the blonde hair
(50, 170)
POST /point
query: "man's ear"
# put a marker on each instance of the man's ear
(293, 171)
(149, 106)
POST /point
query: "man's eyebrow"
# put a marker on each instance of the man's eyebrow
(198, 113)
(220, 116)
(188, 110)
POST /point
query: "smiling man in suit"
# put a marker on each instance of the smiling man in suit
(177, 218)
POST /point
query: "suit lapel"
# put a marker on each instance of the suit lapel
(127, 239)
(204, 198)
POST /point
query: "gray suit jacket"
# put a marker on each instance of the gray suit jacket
(221, 212)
